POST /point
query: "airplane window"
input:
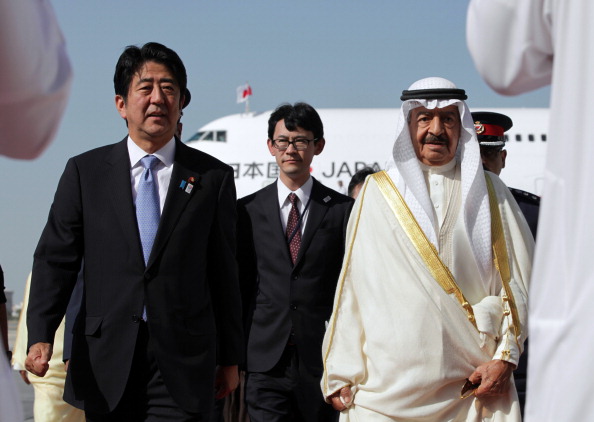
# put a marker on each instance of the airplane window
(221, 136)
(543, 137)
(531, 138)
(208, 136)
(506, 137)
(194, 137)
(518, 137)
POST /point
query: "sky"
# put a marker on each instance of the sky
(329, 53)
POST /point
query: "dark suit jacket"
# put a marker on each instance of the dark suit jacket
(189, 285)
(71, 313)
(278, 296)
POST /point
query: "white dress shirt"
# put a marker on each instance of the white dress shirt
(162, 170)
(303, 193)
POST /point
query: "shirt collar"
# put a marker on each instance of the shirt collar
(439, 169)
(303, 193)
(166, 154)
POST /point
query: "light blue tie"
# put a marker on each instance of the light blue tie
(147, 206)
(148, 212)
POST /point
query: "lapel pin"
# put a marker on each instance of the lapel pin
(188, 185)
(326, 199)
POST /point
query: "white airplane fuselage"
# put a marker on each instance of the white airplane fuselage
(356, 138)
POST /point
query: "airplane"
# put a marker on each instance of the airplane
(356, 138)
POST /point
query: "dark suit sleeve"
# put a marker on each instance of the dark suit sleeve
(71, 314)
(222, 273)
(57, 259)
(246, 261)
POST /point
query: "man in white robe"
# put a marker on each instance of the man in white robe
(421, 306)
(518, 46)
(48, 405)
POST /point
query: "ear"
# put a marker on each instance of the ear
(503, 157)
(120, 104)
(319, 147)
(271, 147)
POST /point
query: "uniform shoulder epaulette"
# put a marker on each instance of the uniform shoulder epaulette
(523, 196)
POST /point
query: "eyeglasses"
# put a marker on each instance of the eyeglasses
(299, 144)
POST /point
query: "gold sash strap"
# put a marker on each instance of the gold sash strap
(500, 258)
(440, 272)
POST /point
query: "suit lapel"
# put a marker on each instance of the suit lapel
(118, 179)
(318, 207)
(178, 195)
(270, 209)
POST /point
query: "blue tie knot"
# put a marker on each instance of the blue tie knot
(149, 161)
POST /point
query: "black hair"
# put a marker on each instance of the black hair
(298, 115)
(133, 58)
(358, 178)
(490, 151)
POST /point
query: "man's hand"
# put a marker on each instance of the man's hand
(25, 377)
(342, 399)
(37, 361)
(493, 378)
(226, 380)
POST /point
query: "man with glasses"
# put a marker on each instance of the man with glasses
(430, 311)
(291, 236)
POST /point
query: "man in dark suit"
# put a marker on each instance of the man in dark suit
(155, 222)
(292, 236)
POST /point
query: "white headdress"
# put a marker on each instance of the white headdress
(405, 170)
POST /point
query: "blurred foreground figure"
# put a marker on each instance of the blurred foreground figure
(518, 46)
(430, 311)
(35, 77)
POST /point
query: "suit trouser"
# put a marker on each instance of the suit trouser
(146, 397)
(286, 393)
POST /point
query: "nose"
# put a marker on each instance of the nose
(436, 126)
(157, 96)
(291, 145)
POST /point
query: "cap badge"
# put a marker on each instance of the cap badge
(478, 127)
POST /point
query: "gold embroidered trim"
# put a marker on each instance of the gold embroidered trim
(440, 272)
(347, 263)
(500, 259)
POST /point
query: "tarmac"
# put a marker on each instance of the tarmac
(26, 391)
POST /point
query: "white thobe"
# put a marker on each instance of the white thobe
(48, 406)
(35, 77)
(518, 46)
(404, 345)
